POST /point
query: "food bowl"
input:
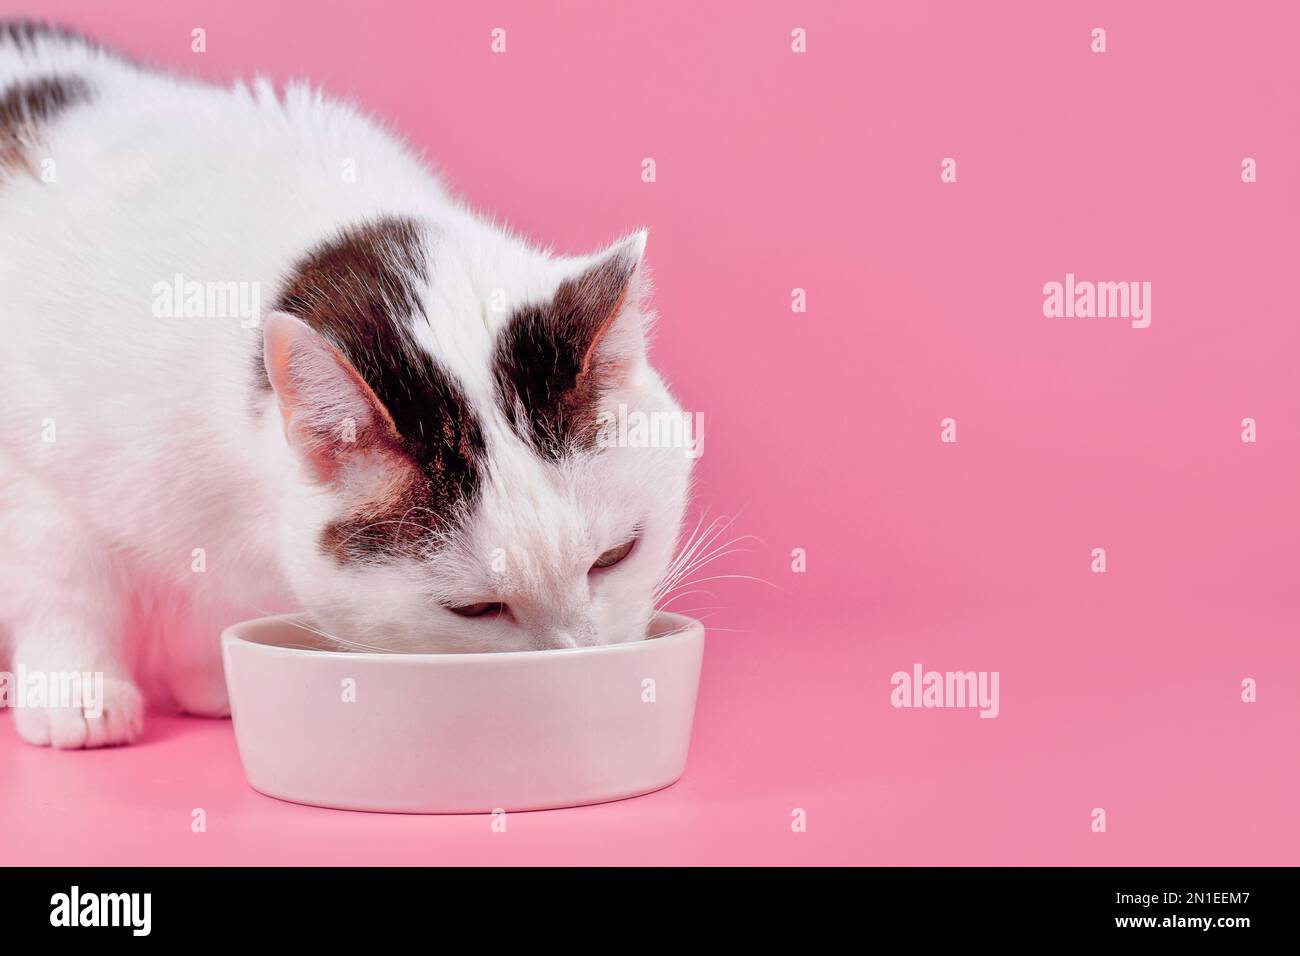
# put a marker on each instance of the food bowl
(460, 733)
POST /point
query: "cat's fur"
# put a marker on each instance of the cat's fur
(412, 426)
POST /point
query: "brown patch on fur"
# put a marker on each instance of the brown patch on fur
(549, 370)
(29, 105)
(361, 291)
(359, 288)
(397, 521)
(25, 34)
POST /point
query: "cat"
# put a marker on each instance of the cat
(405, 439)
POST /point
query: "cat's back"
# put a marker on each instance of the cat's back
(115, 177)
(86, 119)
(118, 180)
(32, 48)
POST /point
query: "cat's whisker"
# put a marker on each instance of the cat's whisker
(666, 604)
(684, 578)
(305, 625)
(736, 577)
(705, 545)
(699, 546)
(693, 541)
(703, 562)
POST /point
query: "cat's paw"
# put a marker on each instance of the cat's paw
(117, 718)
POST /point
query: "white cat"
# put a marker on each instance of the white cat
(408, 443)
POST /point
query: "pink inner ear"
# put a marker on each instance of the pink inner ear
(328, 411)
(613, 364)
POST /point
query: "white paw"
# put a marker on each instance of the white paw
(117, 718)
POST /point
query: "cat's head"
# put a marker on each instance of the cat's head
(461, 476)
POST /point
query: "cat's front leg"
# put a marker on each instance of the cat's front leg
(63, 611)
(105, 711)
(76, 692)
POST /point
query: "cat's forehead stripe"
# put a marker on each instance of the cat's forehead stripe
(361, 289)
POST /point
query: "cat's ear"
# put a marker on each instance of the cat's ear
(557, 361)
(601, 306)
(330, 414)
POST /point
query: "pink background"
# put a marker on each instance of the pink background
(821, 171)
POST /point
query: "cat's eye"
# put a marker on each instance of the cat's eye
(614, 555)
(476, 610)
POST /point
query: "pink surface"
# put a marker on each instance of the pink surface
(821, 171)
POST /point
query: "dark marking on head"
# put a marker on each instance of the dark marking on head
(28, 106)
(360, 290)
(26, 34)
(405, 522)
(549, 370)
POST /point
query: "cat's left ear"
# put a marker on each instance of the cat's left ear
(330, 415)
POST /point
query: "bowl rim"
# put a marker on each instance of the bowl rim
(689, 630)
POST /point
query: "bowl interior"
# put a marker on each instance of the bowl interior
(294, 632)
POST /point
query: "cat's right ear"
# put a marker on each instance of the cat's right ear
(330, 414)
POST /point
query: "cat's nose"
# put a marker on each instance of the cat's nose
(549, 628)
(558, 639)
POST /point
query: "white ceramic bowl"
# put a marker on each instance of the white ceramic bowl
(460, 733)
